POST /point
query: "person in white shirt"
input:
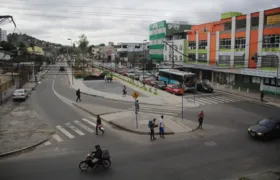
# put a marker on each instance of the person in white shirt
(161, 127)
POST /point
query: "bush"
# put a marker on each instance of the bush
(79, 74)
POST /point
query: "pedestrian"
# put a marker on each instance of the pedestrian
(105, 78)
(152, 125)
(124, 91)
(78, 94)
(200, 119)
(161, 127)
(137, 106)
(262, 95)
(98, 125)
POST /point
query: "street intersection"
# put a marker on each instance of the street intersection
(221, 150)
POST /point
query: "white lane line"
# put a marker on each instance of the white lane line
(84, 126)
(75, 129)
(47, 143)
(57, 138)
(89, 122)
(156, 107)
(65, 132)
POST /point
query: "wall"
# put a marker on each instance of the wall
(179, 43)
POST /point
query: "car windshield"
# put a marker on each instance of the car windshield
(267, 123)
(19, 91)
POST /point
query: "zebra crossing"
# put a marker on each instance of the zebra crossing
(215, 100)
(162, 110)
(70, 130)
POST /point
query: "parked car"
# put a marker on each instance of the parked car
(61, 68)
(20, 94)
(204, 86)
(266, 128)
(150, 81)
(142, 78)
(174, 89)
(160, 85)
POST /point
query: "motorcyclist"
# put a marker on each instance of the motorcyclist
(97, 154)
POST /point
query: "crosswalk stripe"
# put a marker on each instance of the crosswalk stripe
(84, 126)
(209, 100)
(192, 100)
(156, 112)
(200, 101)
(57, 138)
(217, 101)
(47, 143)
(235, 99)
(65, 132)
(75, 129)
(89, 122)
(156, 107)
(224, 99)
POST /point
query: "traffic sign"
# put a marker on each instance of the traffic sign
(135, 95)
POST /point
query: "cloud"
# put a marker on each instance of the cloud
(114, 20)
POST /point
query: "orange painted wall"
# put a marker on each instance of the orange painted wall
(212, 48)
(202, 36)
(253, 48)
(241, 17)
(256, 14)
(268, 31)
(223, 36)
(240, 34)
(201, 27)
(192, 37)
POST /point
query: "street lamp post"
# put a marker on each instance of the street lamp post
(72, 65)
(144, 55)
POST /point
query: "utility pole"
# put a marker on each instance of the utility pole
(172, 43)
(144, 55)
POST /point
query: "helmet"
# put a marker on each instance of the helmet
(97, 146)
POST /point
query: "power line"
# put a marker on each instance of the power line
(95, 7)
(110, 14)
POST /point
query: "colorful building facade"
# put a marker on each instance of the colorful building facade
(242, 49)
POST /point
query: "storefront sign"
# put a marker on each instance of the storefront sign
(257, 72)
(158, 25)
(275, 19)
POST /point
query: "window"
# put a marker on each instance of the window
(225, 43)
(175, 58)
(224, 59)
(181, 47)
(271, 82)
(165, 58)
(181, 58)
(191, 57)
(240, 43)
(175, 47)
(124, 46)
(271, 41)
(256, 80)
(269, 61)
(205, 30)
(241, 23)
(239, 60)
(202, 44)
(195, 32)
(170, 58)
(192, 45)
(202, 57)
(165, 47)
(254, 21)
(227, 26)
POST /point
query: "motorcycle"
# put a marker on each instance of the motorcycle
(104, 162)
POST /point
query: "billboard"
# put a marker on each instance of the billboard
(158, 25)
(173, 28)
(274, 19)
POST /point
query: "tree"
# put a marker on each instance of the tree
(90, 49)
(83, 45)
(102, 44)
(6, 46)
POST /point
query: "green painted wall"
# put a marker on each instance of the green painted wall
(185, 50)
(157, 46)
(230, 14)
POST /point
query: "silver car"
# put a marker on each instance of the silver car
(20, 94)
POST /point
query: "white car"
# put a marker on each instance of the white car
(20, 94)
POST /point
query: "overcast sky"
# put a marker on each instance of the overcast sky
(113, 20)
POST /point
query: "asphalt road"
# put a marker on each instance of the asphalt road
(198, 155)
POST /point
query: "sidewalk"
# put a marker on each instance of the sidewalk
(163, 98)
(253, 96)
(126, 120)
(273, 174)
(20, 126)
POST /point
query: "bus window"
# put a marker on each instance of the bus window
(266, 81)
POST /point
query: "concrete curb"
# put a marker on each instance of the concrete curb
(17, 151)
(119, 126)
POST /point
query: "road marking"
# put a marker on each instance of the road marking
(223, 99)
(57, 138)
(75, 129)
(64, 131)
(153, 111)
(89, 122)
(209, 101)
(47, 143)
(84, 126)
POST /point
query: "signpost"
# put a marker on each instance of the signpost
(135, 95)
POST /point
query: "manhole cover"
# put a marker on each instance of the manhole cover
(210, 143)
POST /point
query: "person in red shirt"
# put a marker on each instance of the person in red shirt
(200, 119)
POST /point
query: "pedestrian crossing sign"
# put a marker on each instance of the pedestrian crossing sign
(135, 95)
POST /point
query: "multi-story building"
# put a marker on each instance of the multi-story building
(241, 49)
(108, 52)
(130, 54)
(173, 33)
(3, 35)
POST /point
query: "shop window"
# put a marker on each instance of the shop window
(225, 43)
(256, 80)
(266, 81)
(272, 82)
(192, 45)
(202, 44)
(271, 41)
(240, 43)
